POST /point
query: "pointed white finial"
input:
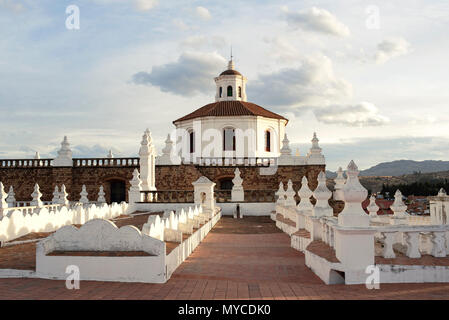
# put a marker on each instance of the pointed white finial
(304, 194)
(231, 65)
(11, 200)
(237, 193)
(168, 146)
(286, 151)
(398, 207)
(101, 194)
(84, 194)
(37, 202)
(64, 158)
(354, 194)
(315, 141)
(55, 199)
(280, 194)
(314, 156)
(322, 195)
(63, 196)
(110, 154)
(372, 208)
(135, 182)
(339, 184)
(290, 195)
(37, 155)
(3, 196)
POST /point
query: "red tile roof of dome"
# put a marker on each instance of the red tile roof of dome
(230, 72)
(231, 108)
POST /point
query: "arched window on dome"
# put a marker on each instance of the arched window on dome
(221, 92)
(192, 141)
(229, 139)
(229, 91)
(240, 92)
(267, 141)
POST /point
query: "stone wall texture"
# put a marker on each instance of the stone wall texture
(167, 178)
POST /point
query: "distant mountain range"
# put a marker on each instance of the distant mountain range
(401, 167)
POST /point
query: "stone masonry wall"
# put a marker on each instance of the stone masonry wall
(167, 178)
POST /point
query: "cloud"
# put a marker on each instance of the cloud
(12, 5)
(145, 5)
(191, 74)
(391, 48)
(180, 24)
(313, 83)
(316, 20)
(282, 49)
(362, 114)
(141, 5)
(200, 41)
(203, 13)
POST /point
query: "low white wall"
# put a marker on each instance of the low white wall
(248, 208)
(17, 224)
(102, 235)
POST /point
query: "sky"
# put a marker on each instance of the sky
(370, 77)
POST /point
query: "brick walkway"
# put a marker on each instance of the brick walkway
(239, 259)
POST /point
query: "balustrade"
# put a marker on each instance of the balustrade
(106, 162)
(168, 196)
(25, 163)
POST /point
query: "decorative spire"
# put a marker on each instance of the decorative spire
(339, 184)
(315, 141)
(64, 158)
(3, 196)
(110, 155)
(322, 195)
(286, 151)
(231, 65)
(442, 193)
(11, 200)
(372, 208)
(237, 193)
(314, 156)
(398, 207)
(55, 199)
(353, 194)
(290, 195)
(135, 182)
(101, 194)
(168, 146)
(37, 202)
(84, 194)
(304, 194)
(280, 194)
(37, 156)
(63, 196)
(237, 181)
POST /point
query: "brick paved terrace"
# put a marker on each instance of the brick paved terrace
(240, 259)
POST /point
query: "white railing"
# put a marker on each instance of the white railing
(414, 240)
(172, 225)
(24, 220)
